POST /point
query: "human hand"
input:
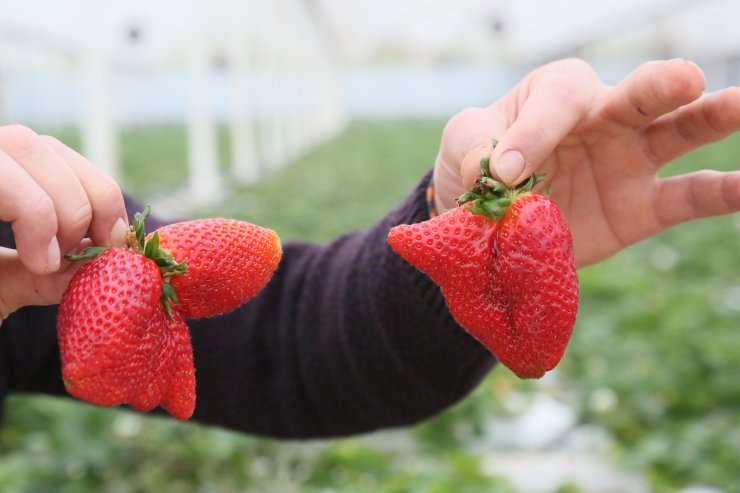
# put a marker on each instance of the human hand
(600, 148)
(54, 199)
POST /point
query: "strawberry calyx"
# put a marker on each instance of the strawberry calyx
(137, 242)
(492, 198)
(168, 266)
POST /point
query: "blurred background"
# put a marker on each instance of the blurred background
(206, 108)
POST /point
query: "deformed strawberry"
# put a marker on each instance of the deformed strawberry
(103, 328)
(504, 261)
(122, 335)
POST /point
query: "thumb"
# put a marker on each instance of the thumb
(20, 287)
(510, 166)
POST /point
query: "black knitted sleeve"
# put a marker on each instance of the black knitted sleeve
(346, 338)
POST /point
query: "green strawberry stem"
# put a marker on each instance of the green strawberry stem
(492, 198)
(136, 241)
(168, 267)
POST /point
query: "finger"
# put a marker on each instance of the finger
(652, 90)
(109, 223)
(559, 97)
(25, 205)
(469, 129)
(471, 166)
(695, 195)
(56, 178)
(709, 119)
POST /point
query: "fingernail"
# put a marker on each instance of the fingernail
(510, 166)
(53, 256)
(117, 237)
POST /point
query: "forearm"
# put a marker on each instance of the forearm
(359, 340)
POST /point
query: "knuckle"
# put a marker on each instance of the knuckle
(703, 181)
(572, 80)
(16, 131)
(715, 118)
(687, 131)
(51, 141)
(575, 65)
(109, 197)
(44, 209)
(80, 218)
(648, 66)
(570, 89)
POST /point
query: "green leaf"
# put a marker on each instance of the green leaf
(485, 169)
(141, 217)
(140, 235)
(494, 208)
(477, 210)
(480, 207)
(180, 268)
(152, 246)
(530, 182)
(85, 254)
(467, 197)
(168, 294)
(138, 226)
(162, 261)
(163, 258)
(538, 177)
(166, 305)
(526, 184)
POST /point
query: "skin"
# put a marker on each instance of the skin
(600, 146)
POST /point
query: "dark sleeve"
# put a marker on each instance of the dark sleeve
(346, 338)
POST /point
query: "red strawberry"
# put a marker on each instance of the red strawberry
(122, 336)
(117, 344)
(228, 262)
(504, 261)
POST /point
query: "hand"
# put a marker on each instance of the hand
(600, 148)
(54, 199)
